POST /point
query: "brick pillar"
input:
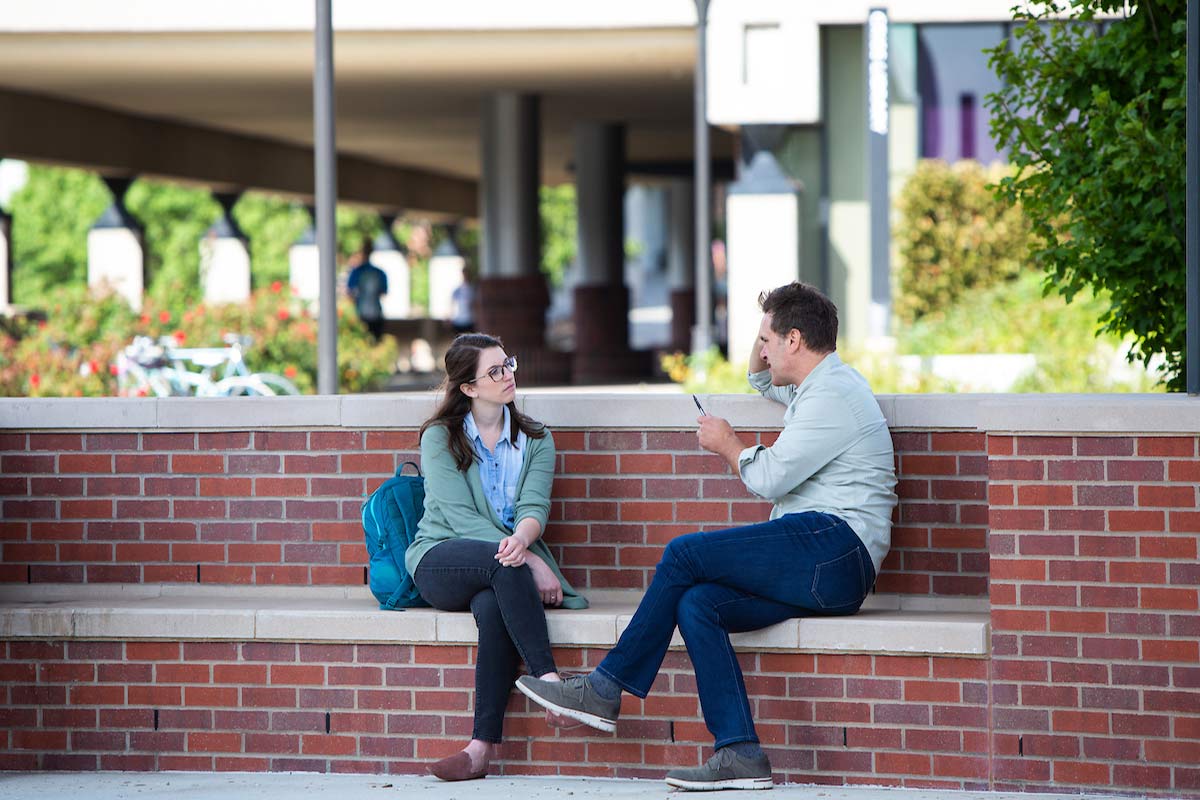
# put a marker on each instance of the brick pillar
(511, 295)
(683, 317)
(602, 351)
(515, 310)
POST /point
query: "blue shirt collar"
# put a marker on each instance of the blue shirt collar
(472, 430)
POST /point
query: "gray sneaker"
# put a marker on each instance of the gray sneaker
(573, 697)
(725, 770)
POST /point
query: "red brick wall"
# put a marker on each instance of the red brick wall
(282, 507)
(1090, 545)
(1095, 629)
(910, 721)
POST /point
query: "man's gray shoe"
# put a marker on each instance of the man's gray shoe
(573, 697)
(725, 770)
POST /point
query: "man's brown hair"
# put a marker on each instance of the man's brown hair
(800, 306)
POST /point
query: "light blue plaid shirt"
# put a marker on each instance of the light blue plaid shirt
(500, 470)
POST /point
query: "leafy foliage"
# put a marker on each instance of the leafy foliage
(1019, 317)
(74, 352)
(1093, 116)
(273, 225)
(1014, 317)
(52, 213)
(174, 219)
(954, 235)
(559, 225)
(707, 372)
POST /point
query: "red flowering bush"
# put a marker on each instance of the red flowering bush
(74, 351)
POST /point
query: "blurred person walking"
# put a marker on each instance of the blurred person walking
(366, 286)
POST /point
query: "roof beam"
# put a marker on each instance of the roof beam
(40, 128)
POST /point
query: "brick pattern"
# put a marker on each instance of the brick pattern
(1095, 628)
(1090, 566)
(939, 538)
(903, 721)
(278, 507)
(282, 507)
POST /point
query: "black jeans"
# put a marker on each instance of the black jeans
(464, 573)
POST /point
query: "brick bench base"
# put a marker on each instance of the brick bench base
(165, 678)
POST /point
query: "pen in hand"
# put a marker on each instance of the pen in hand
(697, 402)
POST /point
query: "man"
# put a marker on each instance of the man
(366, 285)
(830, 475)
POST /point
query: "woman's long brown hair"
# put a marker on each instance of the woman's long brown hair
(462, 362)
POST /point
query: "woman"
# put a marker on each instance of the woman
(488, 470)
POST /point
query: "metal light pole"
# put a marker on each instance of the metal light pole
(702, 330)
(1192, 354)
(325, 184)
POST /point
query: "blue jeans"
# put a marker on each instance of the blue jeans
(715, 583)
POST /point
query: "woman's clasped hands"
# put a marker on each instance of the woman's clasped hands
(514, 551)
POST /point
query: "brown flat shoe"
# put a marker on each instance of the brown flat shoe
(456, 768)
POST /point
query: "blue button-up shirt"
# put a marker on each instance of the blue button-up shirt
(499, 470)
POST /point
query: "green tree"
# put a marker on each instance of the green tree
(174, 219)
(1092, 114)
(273, 225)
(559, 220)
(52, 213)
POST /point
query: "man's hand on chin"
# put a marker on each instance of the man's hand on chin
(717, 436)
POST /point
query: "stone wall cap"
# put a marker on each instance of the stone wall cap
(1056, 414)
(350, 614)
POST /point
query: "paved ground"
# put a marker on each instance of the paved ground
(293, 786)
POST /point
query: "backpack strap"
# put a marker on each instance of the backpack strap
(400, 469)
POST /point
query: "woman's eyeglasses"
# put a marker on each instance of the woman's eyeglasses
(496, 373)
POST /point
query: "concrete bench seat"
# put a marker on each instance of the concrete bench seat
(888, 624)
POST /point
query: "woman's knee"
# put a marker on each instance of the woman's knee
(486, 609)
(508, 578)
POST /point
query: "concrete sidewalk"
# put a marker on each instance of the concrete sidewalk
(295, 786)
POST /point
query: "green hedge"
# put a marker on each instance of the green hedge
(953, 235)
(74, 352)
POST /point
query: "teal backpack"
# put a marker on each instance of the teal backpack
(389, 517)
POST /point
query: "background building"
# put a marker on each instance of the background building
(463, 109)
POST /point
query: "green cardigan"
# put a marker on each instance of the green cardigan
(456, 506)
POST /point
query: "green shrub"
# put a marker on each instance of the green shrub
(954, 235)
(74, 352)
(52, 214)
(1011, 317)
(706, 373)
(1020, 317)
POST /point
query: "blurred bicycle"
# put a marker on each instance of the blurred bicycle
(146, 368)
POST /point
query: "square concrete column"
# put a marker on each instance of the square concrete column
(511, 294)
(446, 273)
(601, 298)
(304, 266)
(116, 249)
(5, 259)
(762, 223)
(392, 257)
(225, 257)
(681, 262)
